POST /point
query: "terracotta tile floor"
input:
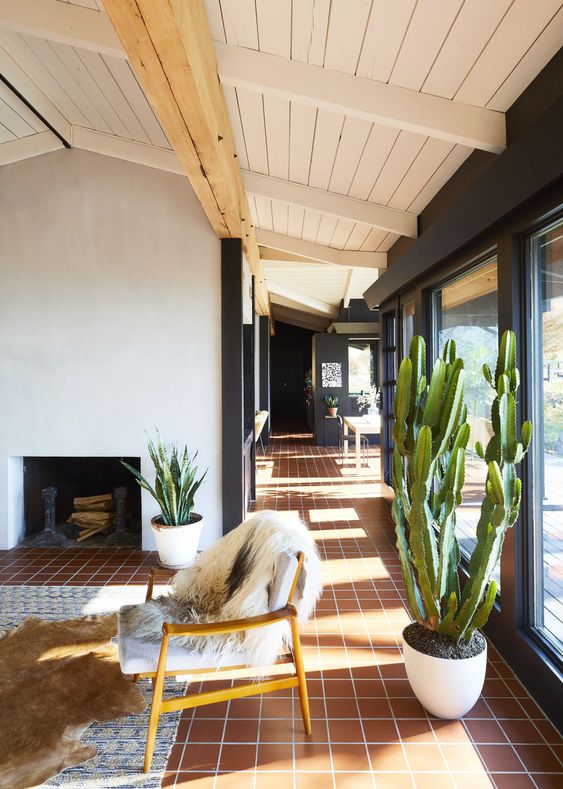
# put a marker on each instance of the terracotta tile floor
(368, 729)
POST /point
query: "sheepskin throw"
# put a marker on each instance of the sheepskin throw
(235, 579)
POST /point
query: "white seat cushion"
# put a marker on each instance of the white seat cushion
(137, 656)
(285, 573)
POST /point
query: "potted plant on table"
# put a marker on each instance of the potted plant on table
(369, 401)
(177, 529)
(445, 653)
(331, 402)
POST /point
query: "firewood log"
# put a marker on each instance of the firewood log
(90, 519)
(101, 503)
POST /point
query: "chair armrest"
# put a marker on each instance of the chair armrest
(153, 572)
(232, 626)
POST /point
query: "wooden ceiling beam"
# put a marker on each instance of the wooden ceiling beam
(26, 147)
(63, 23)
(304, 320)
(358, 97)
(288, 297)
(170, 49)
(348, 289)
(380, 216)
(319, 252)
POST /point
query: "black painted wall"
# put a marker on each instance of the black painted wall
(290, 358)
(329, 348)
(358, 312)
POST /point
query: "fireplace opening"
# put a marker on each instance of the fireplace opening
(84, 501)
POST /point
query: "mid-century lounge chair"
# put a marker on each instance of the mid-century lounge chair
(149, 659)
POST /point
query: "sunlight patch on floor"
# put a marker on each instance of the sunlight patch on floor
(333, 514)
(338, 534)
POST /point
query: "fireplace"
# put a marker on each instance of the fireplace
(52, 484)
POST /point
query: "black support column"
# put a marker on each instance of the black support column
(232, 382)
(264, 389)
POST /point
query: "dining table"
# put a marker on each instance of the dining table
(369, 424)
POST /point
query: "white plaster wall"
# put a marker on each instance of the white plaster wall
(109, 321)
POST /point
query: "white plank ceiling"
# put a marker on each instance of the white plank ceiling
(90, 90)
(476, 52)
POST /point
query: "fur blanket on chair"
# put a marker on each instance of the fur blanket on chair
(234, 579)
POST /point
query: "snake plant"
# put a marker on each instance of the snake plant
(430, 436)
(175, 482)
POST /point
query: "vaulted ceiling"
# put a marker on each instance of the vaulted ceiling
(347, 116)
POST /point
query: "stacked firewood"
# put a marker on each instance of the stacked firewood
(92, 515)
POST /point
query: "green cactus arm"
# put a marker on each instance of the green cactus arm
(514, 380)
(506, 360)
(414, 598)
(483, 612)
(446, 625)
(487, 374)
(493, 451)
(454, 485)
(495, 478)
(431, 412)
(399, 483)
(417, 355)
(526, 436)
(449, 354)
(453, 574)
(475, 585)
(402, 404)
(453, 405)
(507, 417)
(422, 540)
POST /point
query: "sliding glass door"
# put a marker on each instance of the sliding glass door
(546, 259)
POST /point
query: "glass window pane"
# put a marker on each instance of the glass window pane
(547, 447)
(408, 326)
(466, 310)
(360, 367)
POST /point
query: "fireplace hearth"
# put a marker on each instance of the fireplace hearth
(81, 501)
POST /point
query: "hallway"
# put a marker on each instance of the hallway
(368, 729)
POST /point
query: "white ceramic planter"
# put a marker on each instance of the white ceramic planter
(446, 688)
(177, 546)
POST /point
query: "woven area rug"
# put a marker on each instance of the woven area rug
(120, 744)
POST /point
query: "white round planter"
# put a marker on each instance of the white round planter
(446, 688)
(177, 545)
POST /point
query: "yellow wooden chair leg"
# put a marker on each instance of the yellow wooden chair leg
(158, 688)
(151, 733)
(300, 669)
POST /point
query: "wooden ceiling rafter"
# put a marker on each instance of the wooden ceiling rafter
(170, 49)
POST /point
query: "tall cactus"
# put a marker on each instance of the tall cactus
(431, 434)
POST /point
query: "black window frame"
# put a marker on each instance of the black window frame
(527, 544)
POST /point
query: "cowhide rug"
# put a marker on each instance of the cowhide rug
(56, 678)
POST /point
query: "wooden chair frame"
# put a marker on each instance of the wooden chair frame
(160, 705)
